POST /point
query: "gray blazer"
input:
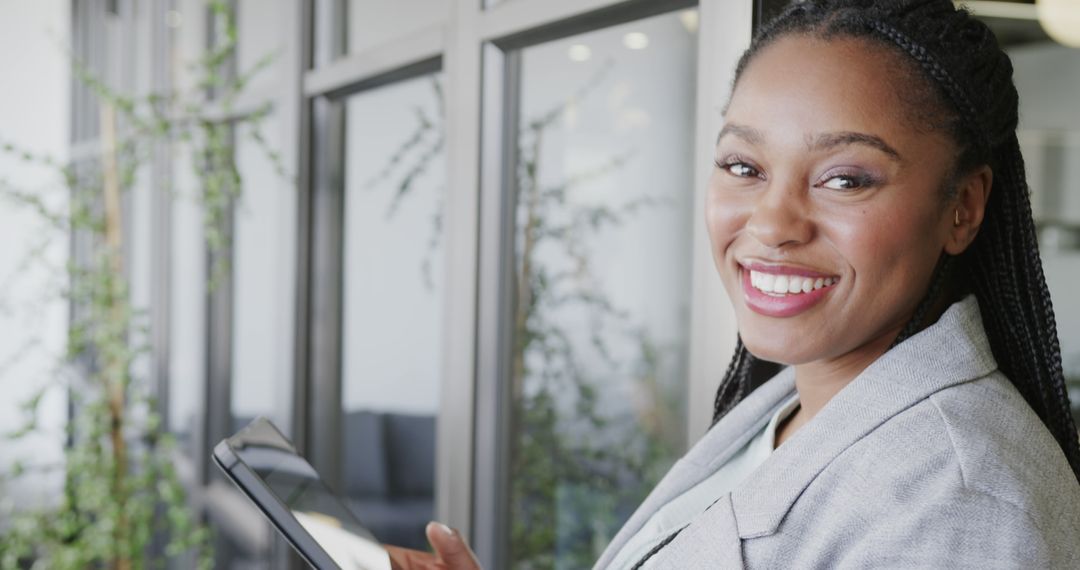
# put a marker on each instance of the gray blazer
(929, 459)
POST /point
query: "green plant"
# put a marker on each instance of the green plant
(576, 469)
(120, 490)
(568, 495)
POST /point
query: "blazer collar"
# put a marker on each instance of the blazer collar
(952, 351)
(714, 448)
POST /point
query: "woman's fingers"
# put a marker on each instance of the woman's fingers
(451, 547)
(408, 559)
(451, 552)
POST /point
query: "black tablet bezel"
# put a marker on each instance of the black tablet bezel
(269, 504)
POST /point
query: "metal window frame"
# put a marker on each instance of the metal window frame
(494, 329)
(284, 101)
(471, 471)
(327, 93)
(712, 327)
(475, 47)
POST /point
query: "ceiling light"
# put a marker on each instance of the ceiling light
(690, 20)
(1061, 20)
(579, 52)
(635, 40)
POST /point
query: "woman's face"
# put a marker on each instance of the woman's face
(825, 210)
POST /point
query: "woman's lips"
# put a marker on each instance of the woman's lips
(802, 289)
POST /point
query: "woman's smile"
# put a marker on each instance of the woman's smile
(783, 290)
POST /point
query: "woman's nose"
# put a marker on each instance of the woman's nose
(780, 216)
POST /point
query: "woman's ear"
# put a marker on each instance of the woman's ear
(969, 207)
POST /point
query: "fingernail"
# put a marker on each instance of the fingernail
(446, 530)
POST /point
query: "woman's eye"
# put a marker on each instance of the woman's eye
(739, 169)
(846, 182)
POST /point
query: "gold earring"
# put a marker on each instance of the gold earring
(956, 218)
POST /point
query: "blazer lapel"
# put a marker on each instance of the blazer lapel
(721, 441)
(713, 539)
(952, 351)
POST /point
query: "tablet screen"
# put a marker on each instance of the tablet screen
(297, 486)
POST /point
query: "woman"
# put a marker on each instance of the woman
(870, 221)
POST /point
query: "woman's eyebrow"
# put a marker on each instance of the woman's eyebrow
(822, 141)
(748, 134)
(831, 140)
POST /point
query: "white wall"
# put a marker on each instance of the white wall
(1048, 79)
(34, 112)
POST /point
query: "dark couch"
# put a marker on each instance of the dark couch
(389, 473)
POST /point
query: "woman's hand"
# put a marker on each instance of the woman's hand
(451, 552)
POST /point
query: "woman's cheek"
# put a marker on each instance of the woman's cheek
(884, 248)
(722, 215)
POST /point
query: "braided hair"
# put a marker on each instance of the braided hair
(960, 69)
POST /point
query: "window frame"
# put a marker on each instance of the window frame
(475, 48)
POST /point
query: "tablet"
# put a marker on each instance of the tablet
(288, 490)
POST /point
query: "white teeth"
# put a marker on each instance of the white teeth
(788, 284)
(766, 282)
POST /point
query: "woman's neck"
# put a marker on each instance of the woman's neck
(817, 382)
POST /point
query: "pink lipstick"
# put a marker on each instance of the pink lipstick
(807, 288)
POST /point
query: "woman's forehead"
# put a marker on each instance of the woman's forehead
(802, 86)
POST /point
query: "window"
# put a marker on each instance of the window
(356, 307)
(604, 201)
(392, 305)
(187, 312)
(262, 288)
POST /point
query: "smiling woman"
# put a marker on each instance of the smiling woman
(822, 172)
(869, 218)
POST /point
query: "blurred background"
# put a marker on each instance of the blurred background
(453, 249)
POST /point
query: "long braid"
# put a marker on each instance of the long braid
(1039, 333)
(968, 80)
(733, 386)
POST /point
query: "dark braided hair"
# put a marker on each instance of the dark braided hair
(966, 78)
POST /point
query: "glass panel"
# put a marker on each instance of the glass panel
(603, 246)
(187, 311)
(263, 271)
(260, 42)
(392, 328)
(187, 22)
(372, 22)
(1047, 76)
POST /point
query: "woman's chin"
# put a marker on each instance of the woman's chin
(788, 352)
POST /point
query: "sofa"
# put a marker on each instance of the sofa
(389, 473)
